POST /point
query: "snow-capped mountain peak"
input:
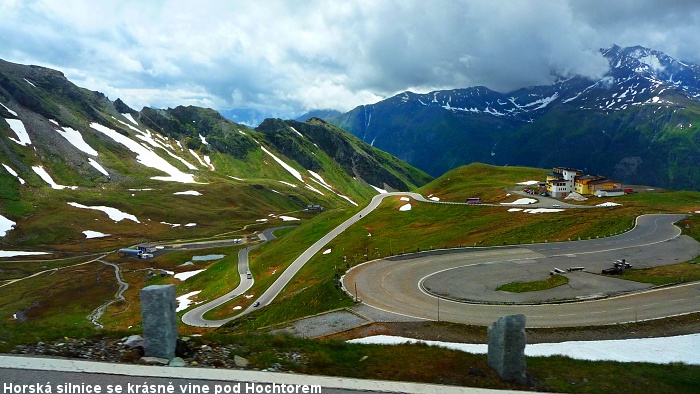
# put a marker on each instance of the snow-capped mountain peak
(637, 76)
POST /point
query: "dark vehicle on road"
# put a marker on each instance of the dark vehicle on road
(613, 271)
(619, 266)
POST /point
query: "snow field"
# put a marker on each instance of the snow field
(5, 225)
(146, 156)
(379, 190)
(13, 173)
(9, 110)
(609, 204)
(47, 178)
(16, 253)
(684, 348)
(521, 201)
(536, 210)
(113, 213)
(183, 276)
(183, 301)
(18, 127)
(89, 234)
(76, 139)
(97, 166)
(286, 166)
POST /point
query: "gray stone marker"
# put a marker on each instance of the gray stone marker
(507, 348)
(159, 321)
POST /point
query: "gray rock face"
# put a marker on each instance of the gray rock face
(506, 353)
(154, 361)
(133, 341)
(240, 361)
(177, 362)
(159, 319)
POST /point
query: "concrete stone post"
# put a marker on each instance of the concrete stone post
(506, 353)
(159, 320)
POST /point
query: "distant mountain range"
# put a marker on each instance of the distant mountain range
(640, 123)
(62, 147)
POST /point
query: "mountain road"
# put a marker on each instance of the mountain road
(443, 285)
(424, 285)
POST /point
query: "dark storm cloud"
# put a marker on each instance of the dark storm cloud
(285, 57)
(671, 26)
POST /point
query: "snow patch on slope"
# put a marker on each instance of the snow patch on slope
(379, 190)
(76, 139)
(14, 173)
(6, 225)
(183, 301)
(18, 127)
(113, 213)
(286, 166)
(130, 118)
(89, 234)
(183, 276)
(97, 166)
(146, 156)
(9, 110)
(683, 348)
(47, 178)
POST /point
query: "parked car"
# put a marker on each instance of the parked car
(556, 205)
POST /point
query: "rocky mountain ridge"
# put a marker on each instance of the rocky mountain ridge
(61, 144)
(647, 100)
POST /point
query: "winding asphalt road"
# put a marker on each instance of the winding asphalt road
(400, 284)
(407, 297)
(195, 316)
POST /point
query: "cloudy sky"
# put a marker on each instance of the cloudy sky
(285, 57)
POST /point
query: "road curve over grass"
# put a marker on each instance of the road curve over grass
(398, 284)
(427, 309)
(195, 316)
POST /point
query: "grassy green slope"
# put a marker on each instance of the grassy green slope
(431, 226)
(247, 185)
(648, 144)
(356, 158)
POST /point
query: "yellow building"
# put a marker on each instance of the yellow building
(563, 181)
(583, 185)
(560, 182)
(603, 184)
